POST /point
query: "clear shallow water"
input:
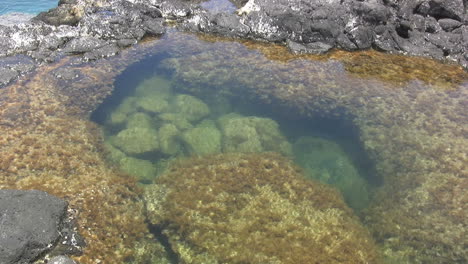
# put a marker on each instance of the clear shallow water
(342, 115)
(149, 105)
(328, 111)
(26, 6)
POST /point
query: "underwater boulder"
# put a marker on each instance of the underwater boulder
(254, 208)
(179, 120)
(119, 116)
(325, 161)
(136, 140)
(144, 170)
(152, 105)
(252, 134)
(168, 139)
(140, 120)
(192, 108)
(205, 138)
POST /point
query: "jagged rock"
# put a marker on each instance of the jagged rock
(349, 25)
(448, 24)
(314, 48)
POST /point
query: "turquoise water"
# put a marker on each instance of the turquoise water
(26, 6)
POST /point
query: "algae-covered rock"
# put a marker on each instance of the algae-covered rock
(144, 170)
(168, 139)
(252, 134)
(140, 120)
(325, 160)
(136, 140)
(254, 208)
(179, 120)
(205, 138)
(113, 154)
(192, 108)
(149, 251)
(152, 104)
(120, 114)
(156, 87)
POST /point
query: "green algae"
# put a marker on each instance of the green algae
(156, 119)
(325, 161)
(203, 139)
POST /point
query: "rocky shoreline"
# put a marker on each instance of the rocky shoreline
(96, 29)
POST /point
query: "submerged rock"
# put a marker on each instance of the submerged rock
(136, 140)
(153, 104)
(140, 120)
(325, 161)
(144, 170)
(203, 139)
(253, 208)
(169, 139)
(192, 108)
(252, 134)
(179, 120)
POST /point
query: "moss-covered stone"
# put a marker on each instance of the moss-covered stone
(179, 120)
(113, 154)
(144, 170)
(149, 251)
(252, 134)
(192, 108)
(140, 120)
(136, 140)
(120, 114)
(169, 139)
(205, 138)
(152, 104)
(254, 208)
(325, 160)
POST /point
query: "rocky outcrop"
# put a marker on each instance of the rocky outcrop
(434, 28)
(32, 222)
(100, 28)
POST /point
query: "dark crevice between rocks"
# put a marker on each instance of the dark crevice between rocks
(403, 30)
(162, 238)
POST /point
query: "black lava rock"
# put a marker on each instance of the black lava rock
(30, 224)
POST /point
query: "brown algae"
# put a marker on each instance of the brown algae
(413, 129)
(254, 208)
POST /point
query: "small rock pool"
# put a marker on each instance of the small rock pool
(199, 149)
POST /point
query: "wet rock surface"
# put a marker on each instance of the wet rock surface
(31, 224)
(433, 28)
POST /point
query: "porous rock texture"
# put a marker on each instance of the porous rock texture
(101, 28)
